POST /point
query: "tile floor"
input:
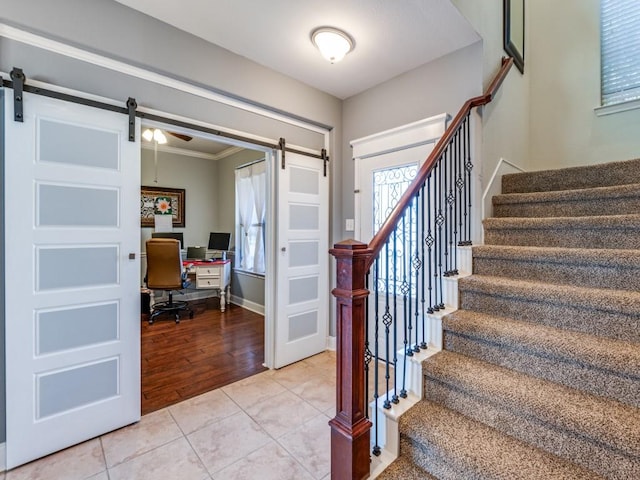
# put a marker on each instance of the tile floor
(269, 426)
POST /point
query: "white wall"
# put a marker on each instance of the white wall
(565, 88)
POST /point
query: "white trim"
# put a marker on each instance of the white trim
(332, 343)
(192, 153)
(248, 304)
(3, 457)
(617, 108)
(494, 186)
(22, 36)
(398, 138)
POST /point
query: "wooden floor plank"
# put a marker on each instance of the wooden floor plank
(214, 349)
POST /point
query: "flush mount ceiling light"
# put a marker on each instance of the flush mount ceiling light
(333, 44)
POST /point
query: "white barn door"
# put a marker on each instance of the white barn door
(302, 298)
(72, 182)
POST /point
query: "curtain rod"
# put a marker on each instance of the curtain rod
(248, 164)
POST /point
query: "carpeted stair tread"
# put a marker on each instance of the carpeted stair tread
(588, 350)
(602, 231)
(601, 420)
(597, 268)
(403, 469)
(600, 175)
(624, 302)
(618, 199)
(450, 445)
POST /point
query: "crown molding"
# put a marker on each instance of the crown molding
(193, 153)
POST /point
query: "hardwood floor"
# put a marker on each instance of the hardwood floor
(213, 349)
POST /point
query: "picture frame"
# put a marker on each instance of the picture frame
(513, 28)
(147, 200)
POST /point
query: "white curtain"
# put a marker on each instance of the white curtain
(259, 184)
(245, 205)
(251, 205)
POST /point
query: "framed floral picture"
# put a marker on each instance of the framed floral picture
(149, 196)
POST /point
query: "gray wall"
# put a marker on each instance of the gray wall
(199, 178)
(565, 83)
(437, 87)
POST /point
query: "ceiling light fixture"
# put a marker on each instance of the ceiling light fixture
(333, 44)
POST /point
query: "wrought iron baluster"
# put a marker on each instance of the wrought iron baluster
(454, 201)
(417, 265)
(439, 222)
(376, 357)
(395, 398)
(460, 186)
(429, 240)
(444, 161)
(404, 289)
(423, 344)
(409, 350)
(386, 321)
(468, 167)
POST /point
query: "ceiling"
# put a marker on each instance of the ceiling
(391, 36)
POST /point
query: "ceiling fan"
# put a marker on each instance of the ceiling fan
(181, 136)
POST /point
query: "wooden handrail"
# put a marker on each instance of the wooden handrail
(350, 428)
(379, 239)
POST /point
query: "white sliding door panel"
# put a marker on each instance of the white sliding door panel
(302, 260)
(72, 185)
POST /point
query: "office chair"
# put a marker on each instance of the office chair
(164, 272)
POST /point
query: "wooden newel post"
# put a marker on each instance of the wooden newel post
(350, 428)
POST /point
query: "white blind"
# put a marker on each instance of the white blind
(620, 44)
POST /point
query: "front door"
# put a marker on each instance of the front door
(72, 182)
(302, 259)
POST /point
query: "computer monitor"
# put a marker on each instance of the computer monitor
(175, 235)
(219, 241)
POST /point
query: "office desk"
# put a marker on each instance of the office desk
(212, 275)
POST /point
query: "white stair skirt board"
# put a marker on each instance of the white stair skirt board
(387, 419)
(494, 187)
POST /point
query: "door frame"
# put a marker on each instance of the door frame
(414, 134)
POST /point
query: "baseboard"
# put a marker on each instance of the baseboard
(332, 343)
(248, 304)
(3, 457)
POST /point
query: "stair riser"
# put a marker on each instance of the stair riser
(584, 208)
(429, 459)
(579, 275)
(617, 173)
(566, 237)
(588, 379)
(587, 453)
(562, 315)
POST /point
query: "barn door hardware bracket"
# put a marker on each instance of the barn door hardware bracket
(282, 146)
(325, 159)
(131, 110)
(18, 78)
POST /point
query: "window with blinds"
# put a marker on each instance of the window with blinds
(620, 44)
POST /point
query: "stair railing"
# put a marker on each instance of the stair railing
(404, 265)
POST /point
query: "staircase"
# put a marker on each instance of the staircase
(540, 373)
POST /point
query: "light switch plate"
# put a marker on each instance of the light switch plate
(349, 225)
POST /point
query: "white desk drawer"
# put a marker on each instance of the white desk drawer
(208, 271)
(208, 282)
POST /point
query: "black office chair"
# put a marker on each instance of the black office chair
(165, 272)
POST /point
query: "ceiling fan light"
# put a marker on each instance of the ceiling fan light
(159, 137)
(147, 135)
(333, 44)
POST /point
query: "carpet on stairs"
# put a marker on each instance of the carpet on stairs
(540, 373)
